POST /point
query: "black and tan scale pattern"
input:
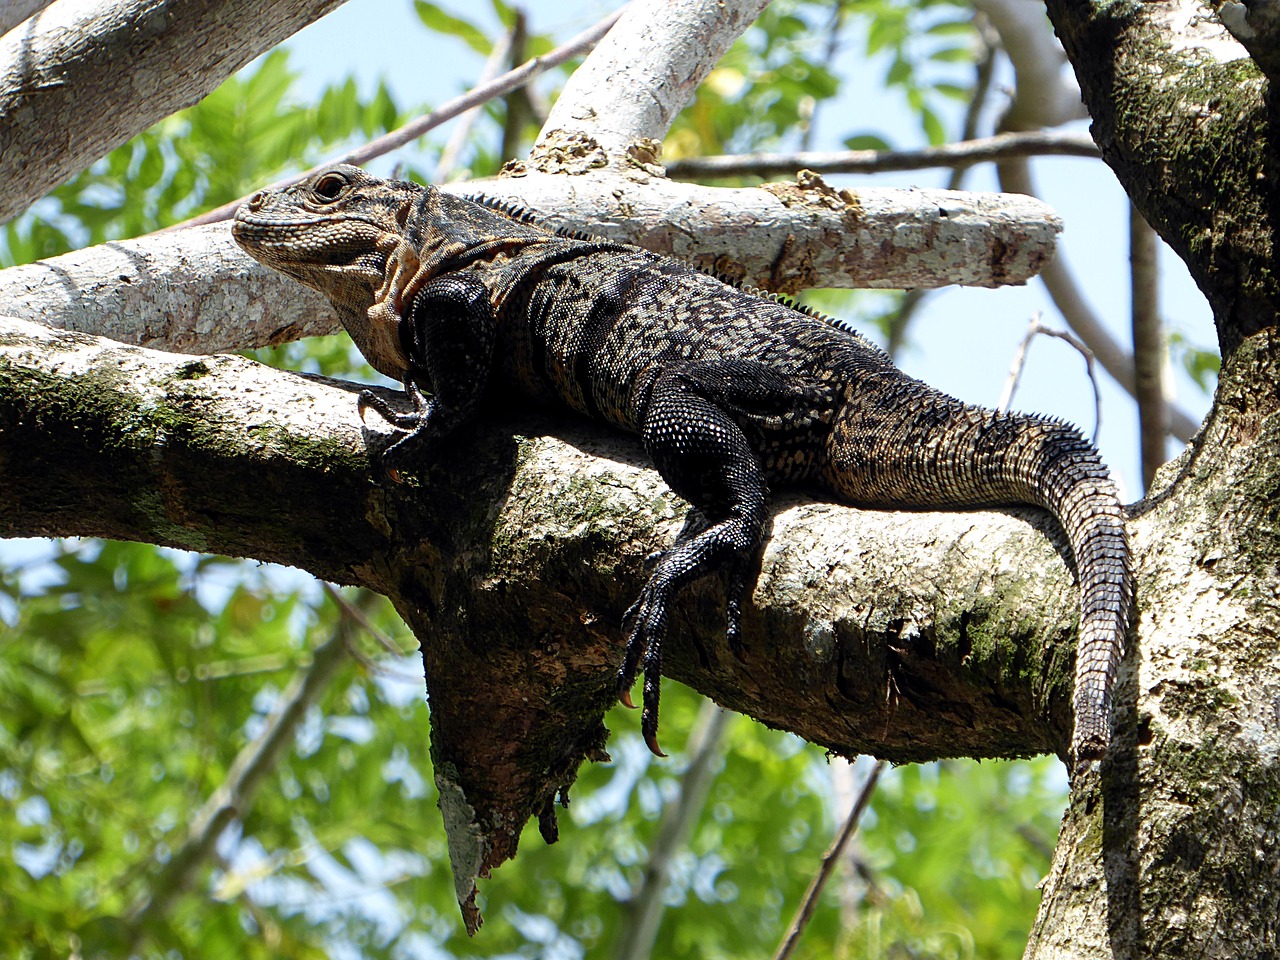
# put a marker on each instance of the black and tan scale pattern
(730, 390)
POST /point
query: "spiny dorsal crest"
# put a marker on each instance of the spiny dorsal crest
(521, 214)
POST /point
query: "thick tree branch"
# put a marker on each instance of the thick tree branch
(906, 635)
(86, 75)
(192, 291)
(619, 104)
(787, 237)
(195, 291)
(1045, 95)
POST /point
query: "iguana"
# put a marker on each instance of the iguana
(732, 392)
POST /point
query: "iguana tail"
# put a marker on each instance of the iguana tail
(900, 443)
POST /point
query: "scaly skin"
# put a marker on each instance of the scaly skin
(731, 391)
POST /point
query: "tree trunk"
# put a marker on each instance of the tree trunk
(1170, 850)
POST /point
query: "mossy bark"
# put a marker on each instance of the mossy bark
(908, 635)
(1170, 849)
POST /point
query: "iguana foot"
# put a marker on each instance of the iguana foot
(647, 620)
(413, 426)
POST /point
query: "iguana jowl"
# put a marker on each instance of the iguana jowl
(731, 391)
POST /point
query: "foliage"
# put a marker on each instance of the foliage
(134, 677)
(141, 673)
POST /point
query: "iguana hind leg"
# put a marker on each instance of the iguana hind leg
(705, 458)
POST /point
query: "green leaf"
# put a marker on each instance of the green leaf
(867, 141)
(441, 22)
(933, 126)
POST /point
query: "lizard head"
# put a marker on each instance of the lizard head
(333, 231)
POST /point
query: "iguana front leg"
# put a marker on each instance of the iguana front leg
(448, 334)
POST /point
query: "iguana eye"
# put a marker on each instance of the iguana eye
(330, 187)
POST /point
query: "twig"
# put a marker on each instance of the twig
(832, 32)
(1148, 345)
(829, 860)
(411, 131)
(646, 906)
(1020, 358)
(358, 615)
(1015, 177)
(1002, 146)
(462, 129)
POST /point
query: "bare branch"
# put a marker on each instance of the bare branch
(1046, 93)
(956, 155)
(1034, 328)
(620, 103)
(234, 797)
(787, 237)
(1148, 345)
(82, 78)
(829, 861)
(498, 56)
(512, 80)
(1016, 176)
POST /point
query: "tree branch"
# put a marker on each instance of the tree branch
(476, 97)
(1148, 345)
(959, 155)
(79, 80)
(1222, 157)
(194, 290)
(868, 632)
(235, 795)
(1057, 277)
(619, 104)
(829, 861)
(1045, 95)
